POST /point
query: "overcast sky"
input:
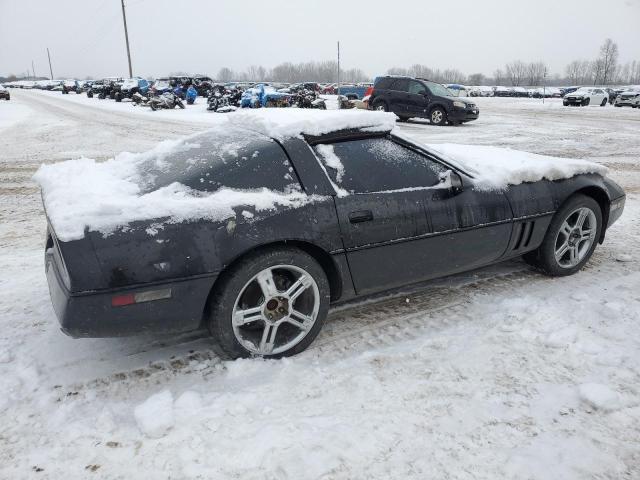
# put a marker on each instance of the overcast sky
(199, 36)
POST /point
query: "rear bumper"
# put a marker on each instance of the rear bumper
(91, 315)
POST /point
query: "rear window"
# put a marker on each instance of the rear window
(233, 158)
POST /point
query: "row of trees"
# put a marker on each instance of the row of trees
(324, 72)
(605, 69)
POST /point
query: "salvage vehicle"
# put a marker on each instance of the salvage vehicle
(129, 87)
(409, 97)
(627, 98)
(253, 229)
(585, 96)
(70, 86)
(168, 101)
(4, 93)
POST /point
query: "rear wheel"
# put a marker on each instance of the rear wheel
(604, 102)
(438, 116)
(271, 304)
(571, 238)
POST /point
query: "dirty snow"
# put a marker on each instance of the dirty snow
(491, 374)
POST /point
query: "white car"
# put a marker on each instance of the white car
(628, 98)
(586, 96)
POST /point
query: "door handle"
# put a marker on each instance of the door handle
(360, 216)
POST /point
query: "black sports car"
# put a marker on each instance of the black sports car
(268, 232)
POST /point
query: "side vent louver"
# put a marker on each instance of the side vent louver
(522, 235)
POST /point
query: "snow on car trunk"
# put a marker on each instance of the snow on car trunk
(166, 183)
(496, 168)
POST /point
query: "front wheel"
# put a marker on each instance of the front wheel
(271, 304)
(179, 103)
(586, 102)
(571, 238)
(438, 116)
(381, 106)
(604, 102)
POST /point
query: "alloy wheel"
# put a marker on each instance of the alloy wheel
(575, 237)
(275, 310)
(436, 116)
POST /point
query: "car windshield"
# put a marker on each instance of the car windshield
(583, 90)
(437, 89)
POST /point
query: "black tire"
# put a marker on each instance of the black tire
(438, 116)
(586, 102)
(544, 258)
(89, 94)
(153, 106)
(604, 102)
(101, 96)
(179, 103)
(233, 281)
(118, 97)
(381, 106)
(403, 119)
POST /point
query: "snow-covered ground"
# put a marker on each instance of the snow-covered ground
(497, 373)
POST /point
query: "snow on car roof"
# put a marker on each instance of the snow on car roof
(290, 122)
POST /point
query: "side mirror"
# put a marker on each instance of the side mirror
(451, 181)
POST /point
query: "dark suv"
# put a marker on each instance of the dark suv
(417, 97)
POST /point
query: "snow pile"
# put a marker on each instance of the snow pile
(155, 415)
(284, 123)
(599, 396)
(103, 196)
(494, 168)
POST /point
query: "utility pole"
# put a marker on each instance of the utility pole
(338, 67)
(50, 69)
(126, 38)
(33, 69)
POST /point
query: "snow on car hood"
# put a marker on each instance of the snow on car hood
(283, 123)
(495, 168)
(85, 194)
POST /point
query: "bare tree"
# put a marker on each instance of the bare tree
(597, 71)
(225, 75)
(516, 72)
(498, 76)
(634, 72)
(536, 71)
(476, 79)
(609, 60)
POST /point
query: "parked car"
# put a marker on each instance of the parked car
(585, 96)
(161, 85)
(627, 98)
(520, 92)
(70, 86)
(481, 91)
(130, 86)
(500, 91)
(458, 90)
(285, 226)
(4, 93)
(409, 97)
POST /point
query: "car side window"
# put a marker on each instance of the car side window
(400, 85)
(417, 88)
(377, 165)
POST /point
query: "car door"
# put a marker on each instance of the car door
(398, 96)
(381, 210)
(418, 98)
